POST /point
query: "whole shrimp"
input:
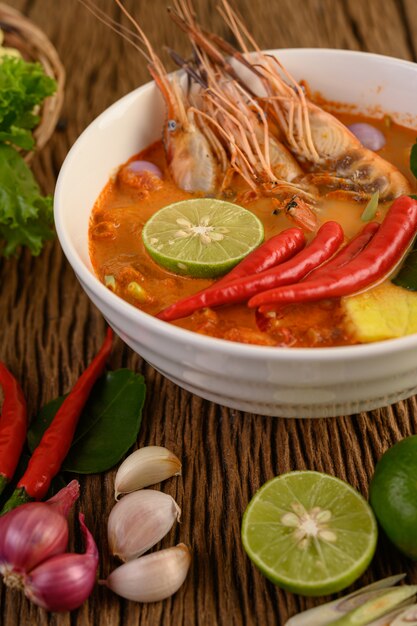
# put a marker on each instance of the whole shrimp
(314, 136)
(259, 157)
(195, 159)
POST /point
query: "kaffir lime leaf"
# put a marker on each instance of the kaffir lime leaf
(393, 494)
(309, 532)
(201, 238)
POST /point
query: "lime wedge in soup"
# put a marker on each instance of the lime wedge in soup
(201, 238)
(309, 532)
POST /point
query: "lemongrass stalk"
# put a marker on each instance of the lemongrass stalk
(326, 613)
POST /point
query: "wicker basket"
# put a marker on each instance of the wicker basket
(33, 45)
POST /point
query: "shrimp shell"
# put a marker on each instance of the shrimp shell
(313, 135)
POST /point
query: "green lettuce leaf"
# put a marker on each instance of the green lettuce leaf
(25, 215)
(23, 86)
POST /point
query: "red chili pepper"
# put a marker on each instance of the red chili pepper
(348, 252)
(277, 249)
(57, 438)
(323, 246)
(376, 261)
(13, 425)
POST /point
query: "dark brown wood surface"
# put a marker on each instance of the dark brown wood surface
(49, 331)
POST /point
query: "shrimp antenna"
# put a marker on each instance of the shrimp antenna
(237, 26)
(185, 65)
(184, 17)
(126, 33)
(152, 58)
(155, 64)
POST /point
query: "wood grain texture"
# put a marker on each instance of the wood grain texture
(49, 331)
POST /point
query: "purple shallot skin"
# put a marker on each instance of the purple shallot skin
(369, 136)
(65, 581)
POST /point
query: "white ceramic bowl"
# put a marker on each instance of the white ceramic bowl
(270, 381)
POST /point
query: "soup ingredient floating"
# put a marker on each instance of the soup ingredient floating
(309, 532)
(201, 238)
(378, 259)
(324, 245)
(384, 312)
(393, 495)
(369, 136)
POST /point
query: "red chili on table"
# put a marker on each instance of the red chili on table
(57, 438)
(375, 262)
(323, 246)
(13, 425)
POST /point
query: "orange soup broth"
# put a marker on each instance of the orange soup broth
(116, 249)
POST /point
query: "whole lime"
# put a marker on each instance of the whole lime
(393, 495)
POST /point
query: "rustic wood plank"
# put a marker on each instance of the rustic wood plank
(409, 20)
(50, 331)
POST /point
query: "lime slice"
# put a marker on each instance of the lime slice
(203, 237)
(310, 533)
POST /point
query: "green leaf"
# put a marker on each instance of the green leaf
(23, 86)
(108, 426)
(407, 276)
(413, 160)
(25, 215)
(371, 208)
(20, 137)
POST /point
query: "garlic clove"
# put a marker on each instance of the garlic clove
(64, 582)
(153, 577)
(144, 467)
(139, 520)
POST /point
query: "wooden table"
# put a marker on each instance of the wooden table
(49, 331)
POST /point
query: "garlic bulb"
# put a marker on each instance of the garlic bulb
(139, 520)
(153, 577)
(144, 467)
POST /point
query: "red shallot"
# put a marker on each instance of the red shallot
(369, 136)
(33, 540)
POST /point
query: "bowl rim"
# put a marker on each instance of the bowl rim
(208, 343)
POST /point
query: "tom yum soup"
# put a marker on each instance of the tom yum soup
(260, 217)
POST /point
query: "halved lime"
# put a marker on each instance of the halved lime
(203, 237)
(309, 532)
